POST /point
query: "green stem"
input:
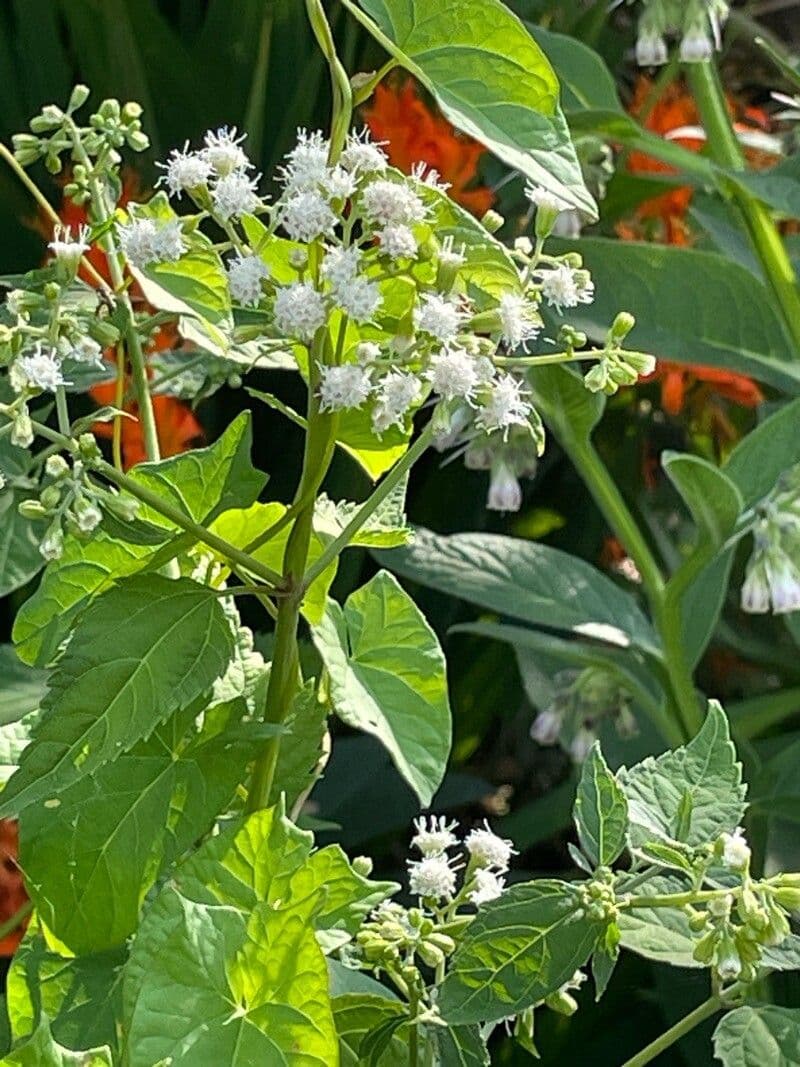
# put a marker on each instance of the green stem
(20, 915)
(340, 83)
(678, 900)
(363, 92)
(764, 235)
(370, 505)
(62, 411)
(530, 362)
(675, 1033)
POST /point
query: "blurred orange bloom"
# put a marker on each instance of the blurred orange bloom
(12, 887)
(678, 379)
(415, 134)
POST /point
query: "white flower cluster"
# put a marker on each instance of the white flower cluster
(220, 166)
(697, 23)
(772, 576)
(145, 241)
(433, 877)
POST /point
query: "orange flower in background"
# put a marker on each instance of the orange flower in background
(12, 887)
(415, 134)
(678, 380)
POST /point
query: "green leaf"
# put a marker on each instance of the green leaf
(778, 186)
(378, 1042)
(586, 81)
(80, 995)
(241, 526)
(690, 306)
(601, 811)
(691, 794)
(765, 453)
(388, 678)
(565, 403)
(42, 1050)
(356, 1015)
(660, 934)
(170, 642)
(385, 528)
(518, 950)
(22, 689)
(489, 77)
(713, 500)
(202, 483)
(603, 963)
(757, 1035)
(20, 558)
(90, 861)
(232, 934)
(302, 750)
(528, 581)
(459, 1046)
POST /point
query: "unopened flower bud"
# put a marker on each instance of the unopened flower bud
(363, 865)
(78, 97)
(32, 509)
(52, 291)
(298, 258)
(27, 148)
(22, 433)
(430, 954)
(88, 447)
(492, 221)
(621, 327)
(50, 497)
(788, 897)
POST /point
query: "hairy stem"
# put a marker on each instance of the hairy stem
(675, 1033)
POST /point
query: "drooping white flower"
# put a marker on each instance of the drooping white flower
(56, 467)
(398, 242)
(772, 578)
(487, 849)
(696, 47)
(434, 835)
(453, 374)
(299, 310)
(69, 250)
(397, 392)
(144, 241)
(563, 287)
(432, 877)
(546, 727)
(87, 515)
(388, 203)
(728, 963)
(347, 386)
(307, 163)
(340, 266)
(185, 170)
(520, 320)
(87, 351)
(505, 491)
(488, 886)
(339, 184)
(41, 369)
(430, 176)
(22, 431)
(361, 299)
(362, 155)
(439, 317)
(2, 481)
(306, 215)
(234, 195)
(245, 275)
(52, 544)
(735, 850)
(224, 153)
(651, 50)
(505, 406)
(544, 199)
(581, 744)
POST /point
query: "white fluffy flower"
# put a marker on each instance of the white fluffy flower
(299, 311)
(544, 199)
(432, 876)
(87, 351)
(434, 835)
(563, 287)
(735, 850)
(398, 242)
(224, 153)
(307, 163)
(450, 256)
(41, 369)
(339, 184)
(234, 195)
(343, 387)
(67, 250)
(520, 320)
(362, 155)
(245, 274)
(429, 176)
(453, 374)
(185, 170)
(488, 886)
(505, 492)
(439, 317)
(388, 203)
(367, 352)
(397, 392)
(505, 406)
(360, 298)
(144, 241)
(489, 850)
(340, 266)
(306, 215)
(52, 544)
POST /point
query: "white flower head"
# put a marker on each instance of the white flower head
(505, 406)
(224, 153)
(367, 352)
(185, 170)
(339, 184)
(235, 194)
(306, 215)
(434, 835)
(299, 310)
(144, 241)
(361, 299)
(41, 369)
(397, 392)
(347, 386)
(429, 176)
(520, 320)
(398, 242)
(52, 544)
(307, 163)
(453, 374)
(340, 266)
(505, 492)
(488, 886)
(87, 515)
(362, 155)
(729, 965)
(88, 352)
(564, 287)
(245, 275)
(544, 199)
(69, 250)
(772, 579)
(439, 317)
(432, 877)
(388, 203)
(450, 256)
(488, 850)
(735, 850)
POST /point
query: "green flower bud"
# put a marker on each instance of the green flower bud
(621, 327)
(52, 163)
(492, 221)
(562, 1002)
(103, 331)
(27, 149)
(52, 291)
(109, 109)
(597, 379)
(80, 94)
(32, 509)
(50, 497)
(363, 865)
(430, 954)
(131, 111)
(138, 141)
(788, 897)
(87, 447)
(704, 949)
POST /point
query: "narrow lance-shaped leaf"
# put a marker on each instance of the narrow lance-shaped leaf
(601, 811)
